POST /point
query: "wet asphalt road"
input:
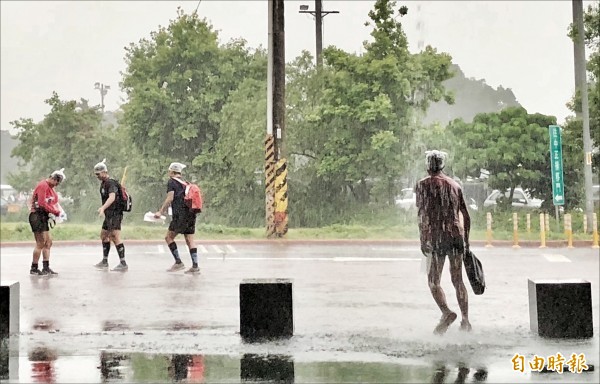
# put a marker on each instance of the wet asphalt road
(361, 302)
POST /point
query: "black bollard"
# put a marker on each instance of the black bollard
(267, 368)
(561, 308)
(266, 309)
(9, 308)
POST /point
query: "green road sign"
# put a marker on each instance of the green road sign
(556, 162)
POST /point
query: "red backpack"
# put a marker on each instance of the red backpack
(192, 196)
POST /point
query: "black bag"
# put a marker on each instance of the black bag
(474, 272)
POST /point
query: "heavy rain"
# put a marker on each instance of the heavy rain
(308, 192)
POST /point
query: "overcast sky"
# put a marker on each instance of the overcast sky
(68, 46)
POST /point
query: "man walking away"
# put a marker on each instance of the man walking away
(444, 226)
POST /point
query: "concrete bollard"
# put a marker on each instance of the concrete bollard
(542, 231)
(266, 309)
(515, 230)
(569, 230)
(266, 368)
(595, 231)
(561, 308)
(488, 234)
(9, 308)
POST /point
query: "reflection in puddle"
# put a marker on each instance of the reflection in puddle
(115, 325)
(267, 368)
(44, 365)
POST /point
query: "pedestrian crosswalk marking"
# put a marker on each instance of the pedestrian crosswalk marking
(202, 249)
(230, 249)
(217, 249)
(556, 258)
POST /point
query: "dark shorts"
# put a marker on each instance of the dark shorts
(451, 248)
(183, 223)
(112, 221)
(39, 222)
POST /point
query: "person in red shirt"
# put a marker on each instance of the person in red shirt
(43, 204)
(444, 226)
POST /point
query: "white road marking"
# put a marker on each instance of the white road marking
(161, 248)
(217, 249)
(336, 259)
(556, 258)
(203, 249)
(230, 249)
(396, 249)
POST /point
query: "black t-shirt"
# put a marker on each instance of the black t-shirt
(178, 205)
(107, 187)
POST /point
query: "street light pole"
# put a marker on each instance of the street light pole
(103, 91)
(318, 14)
(581, 85)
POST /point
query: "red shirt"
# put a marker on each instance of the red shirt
(45, 198)
(441, 210)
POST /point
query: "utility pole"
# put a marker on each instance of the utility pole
(581, 86)
(103, 91)
(275, 162)
(318, 14)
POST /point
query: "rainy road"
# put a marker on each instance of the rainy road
(359, 304)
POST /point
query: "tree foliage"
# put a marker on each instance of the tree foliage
(512, 144)
(70, 136)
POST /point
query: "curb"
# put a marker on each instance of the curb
(478, 243)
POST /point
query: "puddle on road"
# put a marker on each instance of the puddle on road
(44, 365)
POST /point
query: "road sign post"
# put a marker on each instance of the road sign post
(556, 164)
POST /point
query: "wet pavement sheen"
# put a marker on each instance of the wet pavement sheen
(362, 313)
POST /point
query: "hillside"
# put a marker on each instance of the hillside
(471, 97)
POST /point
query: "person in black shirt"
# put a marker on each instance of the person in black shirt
(113, 216)
(184, 220)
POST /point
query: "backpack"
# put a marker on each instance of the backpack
(192, 196)
(123, 198)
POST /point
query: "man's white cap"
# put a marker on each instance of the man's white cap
(59, 175)
(101, 166)
(176, 167)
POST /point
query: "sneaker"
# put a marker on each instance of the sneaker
(102, 265)
(193, 270)
(176, 267)
(121, 268)
(48, 271)
(35, 272)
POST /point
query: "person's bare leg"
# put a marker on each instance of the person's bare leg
(39, 246)
(189, 240)
(461, 291)
(434, 278)
(47, 246)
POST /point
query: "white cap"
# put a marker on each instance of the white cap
(101, 166)
(58, 175)
(176, 167)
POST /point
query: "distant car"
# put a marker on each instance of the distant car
(3, 206)
(407, 199)
(520, 200)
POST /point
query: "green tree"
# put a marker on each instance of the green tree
(177, 83)
(512, 144)
(70, 136)
(364, 123)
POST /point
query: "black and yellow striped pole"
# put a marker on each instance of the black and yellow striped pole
(281, 198)
(270, 184)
